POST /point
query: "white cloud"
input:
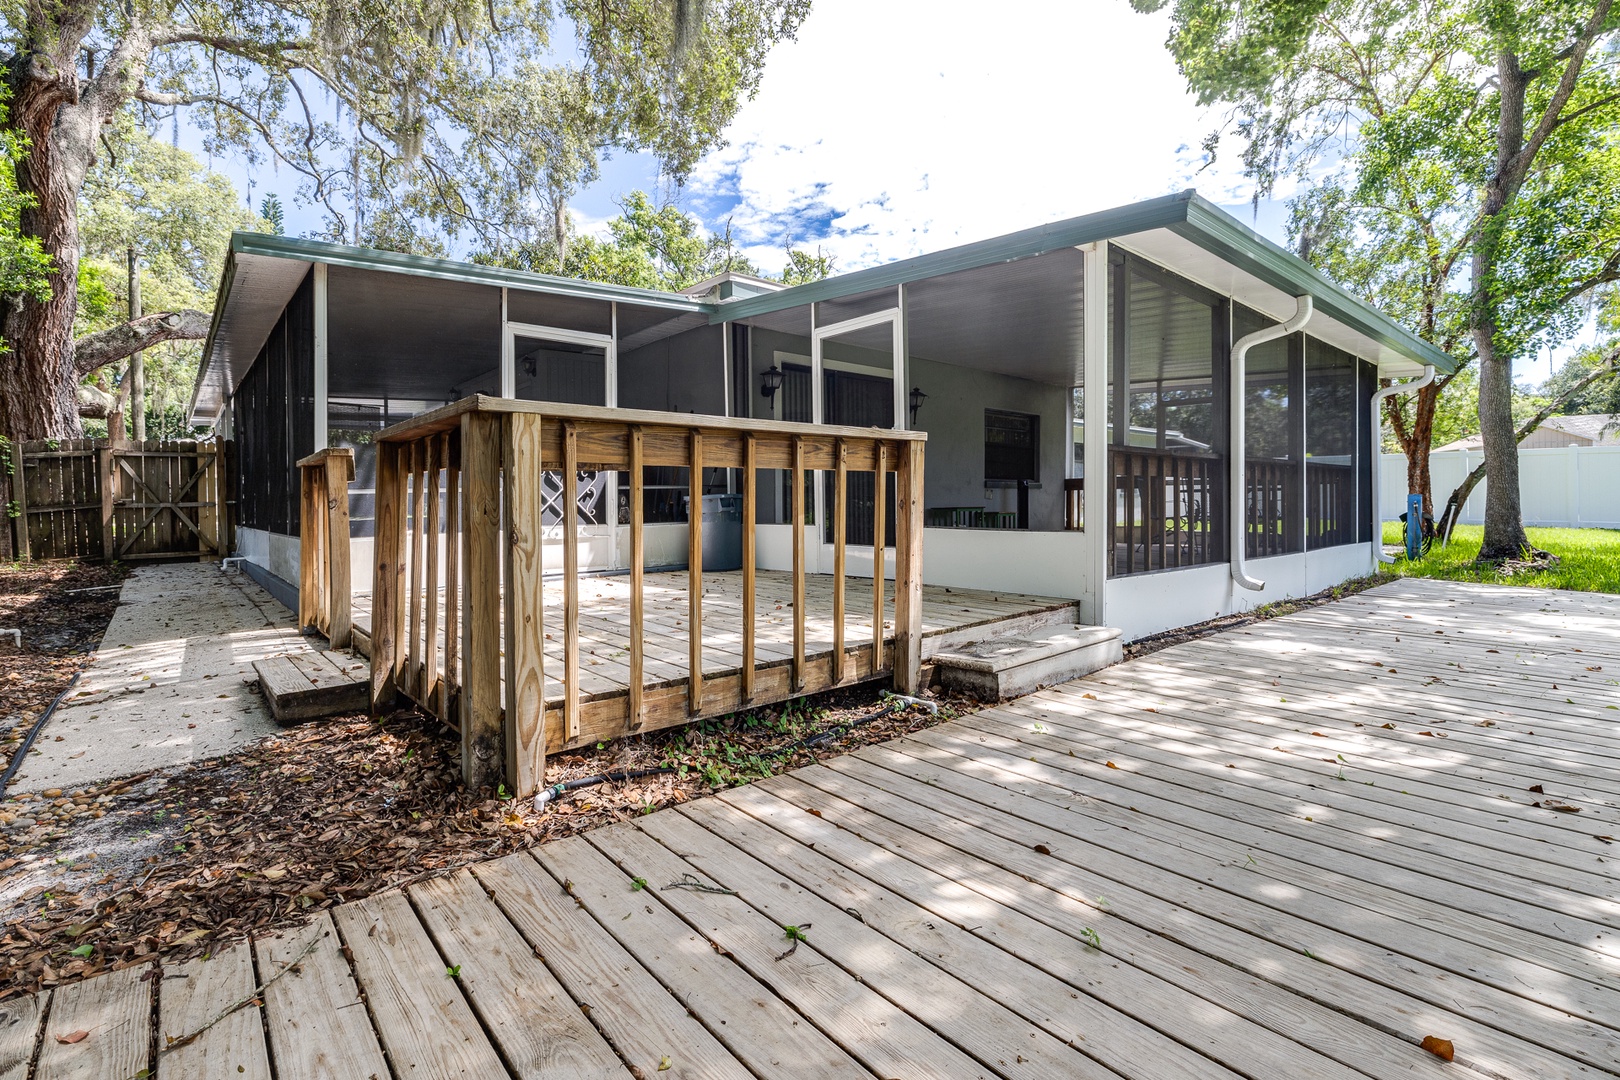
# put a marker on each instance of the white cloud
(887, 130)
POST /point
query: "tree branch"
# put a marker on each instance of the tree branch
(1566, 89)
(101, 348)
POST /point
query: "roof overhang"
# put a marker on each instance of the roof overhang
(262, 271)
(1185, 233)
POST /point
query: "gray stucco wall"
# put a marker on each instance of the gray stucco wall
(953, 416)
(685, 373)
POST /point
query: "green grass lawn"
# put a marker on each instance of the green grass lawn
(1589, 559)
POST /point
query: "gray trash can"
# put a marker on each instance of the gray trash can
(722, 531)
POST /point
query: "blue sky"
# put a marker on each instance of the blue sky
(887, 130)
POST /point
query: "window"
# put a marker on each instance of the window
(1012, 444)
(1332, 413)
(1273, 439)
(1167, 419)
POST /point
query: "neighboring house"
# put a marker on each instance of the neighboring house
(989, 348)
(1592, 429)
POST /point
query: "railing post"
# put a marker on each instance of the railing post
(749, 557)
(388, 577)
(482, 741)
(908, 569)
(570, 538)
(525, 726)
(839, 523)
(694, 576)
(880, 508)
(339, 474)
(797, 515)
(312, 494)
(638, 575)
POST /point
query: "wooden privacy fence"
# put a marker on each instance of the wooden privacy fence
(325, 593)
(459, 505)
(87, 499)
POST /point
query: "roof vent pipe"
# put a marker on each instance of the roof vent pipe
(1377, 450)
(1238, 483)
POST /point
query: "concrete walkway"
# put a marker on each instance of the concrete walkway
(171, 682)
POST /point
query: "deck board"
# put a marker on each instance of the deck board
(1153, 872)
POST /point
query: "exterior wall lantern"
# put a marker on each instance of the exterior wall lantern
(917, 399)
(770, 381)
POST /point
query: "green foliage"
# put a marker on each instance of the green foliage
(24, 266)
(1600, 396)
(647, 247)
(1402, 94)
(178, 216)
(274, 216)
(1588, 559)
(803, 267)
(459, 117)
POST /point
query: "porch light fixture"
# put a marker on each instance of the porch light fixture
(917, 399)
(770, 381)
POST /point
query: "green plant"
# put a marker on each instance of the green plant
(453, 972)
(1092, 938)
(637, 884)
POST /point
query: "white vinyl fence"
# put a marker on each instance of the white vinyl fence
(1568, 486)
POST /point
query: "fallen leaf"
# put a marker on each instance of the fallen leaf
(1440, 1048)
(73, 1037)
(1563, 808)
(1043, 849)
(1390, 727)
(664, 1064)
(1537, 789)
(1110, 764)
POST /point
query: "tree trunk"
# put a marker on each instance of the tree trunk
(38, 381)
(1414, 439)
(1504, 525)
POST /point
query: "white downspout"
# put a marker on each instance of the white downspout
(1237, 532)
(1377, 452)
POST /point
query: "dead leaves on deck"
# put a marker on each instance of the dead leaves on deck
(1440, 1048)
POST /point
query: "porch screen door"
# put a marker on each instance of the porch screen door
(551, 364)
(857, 379)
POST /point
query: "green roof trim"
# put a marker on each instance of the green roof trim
(1185, 213)
(359, 258)
(1138, 217)
(1218, 232)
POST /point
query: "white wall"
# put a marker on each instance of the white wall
(1568, 486)
(1143, 604)
(273, 551)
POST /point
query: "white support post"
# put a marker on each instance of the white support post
(508, 360)
(322, 369)
(1094, 457)
(902, 376)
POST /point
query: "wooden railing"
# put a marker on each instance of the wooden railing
(1271, 512)
(459, 507)
(1330, 502)
(1167, 510)
(325, 596)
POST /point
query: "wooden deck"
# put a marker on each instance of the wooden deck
(948, 616)
(1291, 850)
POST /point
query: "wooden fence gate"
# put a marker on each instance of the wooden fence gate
(85, 499)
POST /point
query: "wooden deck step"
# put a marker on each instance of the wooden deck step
(309, 685)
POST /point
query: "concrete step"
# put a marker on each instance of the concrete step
(1011, 665)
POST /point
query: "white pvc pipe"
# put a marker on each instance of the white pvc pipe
(1377, 451)
(1238, 485)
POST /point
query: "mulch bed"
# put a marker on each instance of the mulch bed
(60, 627)
(1154, 642)
(168, 866)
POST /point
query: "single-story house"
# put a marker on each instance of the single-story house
(1587, 429)
(1221, 459)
